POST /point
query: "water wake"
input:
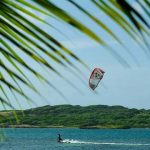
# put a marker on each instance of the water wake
(103, 143)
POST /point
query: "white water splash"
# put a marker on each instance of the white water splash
(102, 143)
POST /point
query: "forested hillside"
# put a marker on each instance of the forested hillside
(94, 116)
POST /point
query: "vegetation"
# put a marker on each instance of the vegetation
(94, 116)
(22, 36)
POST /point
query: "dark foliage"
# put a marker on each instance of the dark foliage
(95, 116)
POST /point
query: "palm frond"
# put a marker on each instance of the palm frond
(20, 34)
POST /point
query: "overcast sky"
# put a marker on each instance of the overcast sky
(128, 87)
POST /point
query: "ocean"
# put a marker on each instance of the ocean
(76, 139)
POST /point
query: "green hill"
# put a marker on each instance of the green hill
(94, 116)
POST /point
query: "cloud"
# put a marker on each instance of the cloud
(80, 43)
(84, 43)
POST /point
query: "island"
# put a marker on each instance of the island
(76, 116)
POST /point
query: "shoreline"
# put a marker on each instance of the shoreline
(73, 127)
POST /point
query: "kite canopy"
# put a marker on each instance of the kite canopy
(95, 78)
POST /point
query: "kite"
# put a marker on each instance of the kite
(95, 78)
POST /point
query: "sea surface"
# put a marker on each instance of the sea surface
(76, 139)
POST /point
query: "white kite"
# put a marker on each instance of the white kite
(95, 78)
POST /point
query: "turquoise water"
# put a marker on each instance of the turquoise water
(102, 139)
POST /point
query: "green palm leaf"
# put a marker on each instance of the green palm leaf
(19, 33)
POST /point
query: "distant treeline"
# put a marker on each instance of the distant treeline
(94, 116)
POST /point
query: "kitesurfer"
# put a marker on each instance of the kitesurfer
(59, 138)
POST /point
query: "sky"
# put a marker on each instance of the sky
(126, 86)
